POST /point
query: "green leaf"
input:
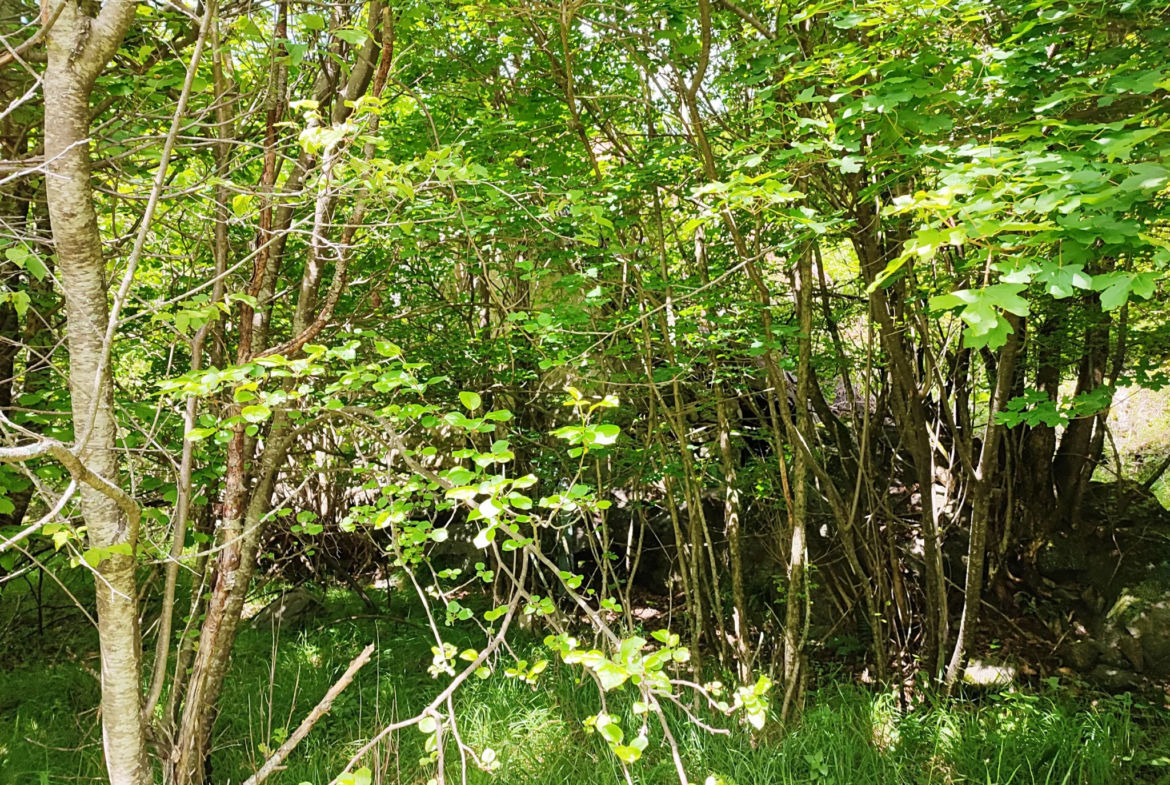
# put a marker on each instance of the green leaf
(312, 21)
(27, 260)
(241, 203)
(1144, 284)
(1019, 274)
(606, 434)
(485, 536)
(1007, 297)
(256, 413)
(459, 476)
(627, 754)
(1142, 83)
(611, 732)
(36, 267)
(611, 676)
(387, 349)
(470, 400)
(1061, 281)
(20, 302)
(1116, 287)
(1145, 177)
(1121, 145)
(353, 37)
(848, 21)
(985, 325)
(849, 164)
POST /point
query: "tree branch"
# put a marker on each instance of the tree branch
(748, 17)
(36, 38)
(80, 473)
(319, 711)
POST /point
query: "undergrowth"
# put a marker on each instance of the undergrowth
(848, 735)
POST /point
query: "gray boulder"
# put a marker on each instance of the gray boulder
(1113, 678)
(1138, 626)
(290, 610)
(1082, 655)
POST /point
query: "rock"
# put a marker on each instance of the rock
(988, 675)
(1138, 627)
(1114, 678)
(1094, 601)
(1152, 629)
(288, 611)
(1083, 655)
(1110, 651)
(1131, 647)
(1061, 557)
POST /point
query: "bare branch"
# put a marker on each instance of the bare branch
(319, 711)
(36, 38)
(80, 473)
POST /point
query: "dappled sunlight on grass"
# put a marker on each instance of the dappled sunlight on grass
(848, 735)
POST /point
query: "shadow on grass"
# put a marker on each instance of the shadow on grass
(847, 736)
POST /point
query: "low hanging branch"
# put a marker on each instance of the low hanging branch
(79, 472)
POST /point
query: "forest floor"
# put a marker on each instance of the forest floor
(1055, 734)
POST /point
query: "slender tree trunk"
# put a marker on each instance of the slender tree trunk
(1036, 481)
(794, 613)
(911, 416)
(742, 627)
(1073, 464)
(78, 49)
(248, 496)
(983, 485)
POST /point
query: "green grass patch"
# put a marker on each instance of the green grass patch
(848, 735)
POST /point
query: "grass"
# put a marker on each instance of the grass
(848, 735)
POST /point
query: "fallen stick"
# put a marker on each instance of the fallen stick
(316, 714)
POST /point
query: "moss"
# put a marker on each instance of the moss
(1128, 606)
(1133, 602)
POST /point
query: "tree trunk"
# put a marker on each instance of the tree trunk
(1073, 465)
(983, 485)
(78, 49)
(1037, 490)
(797, 591)
(742, 625)
(248, 496)
(911, 417)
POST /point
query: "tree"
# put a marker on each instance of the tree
(790, 291)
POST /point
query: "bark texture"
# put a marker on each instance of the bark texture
(78, 49)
